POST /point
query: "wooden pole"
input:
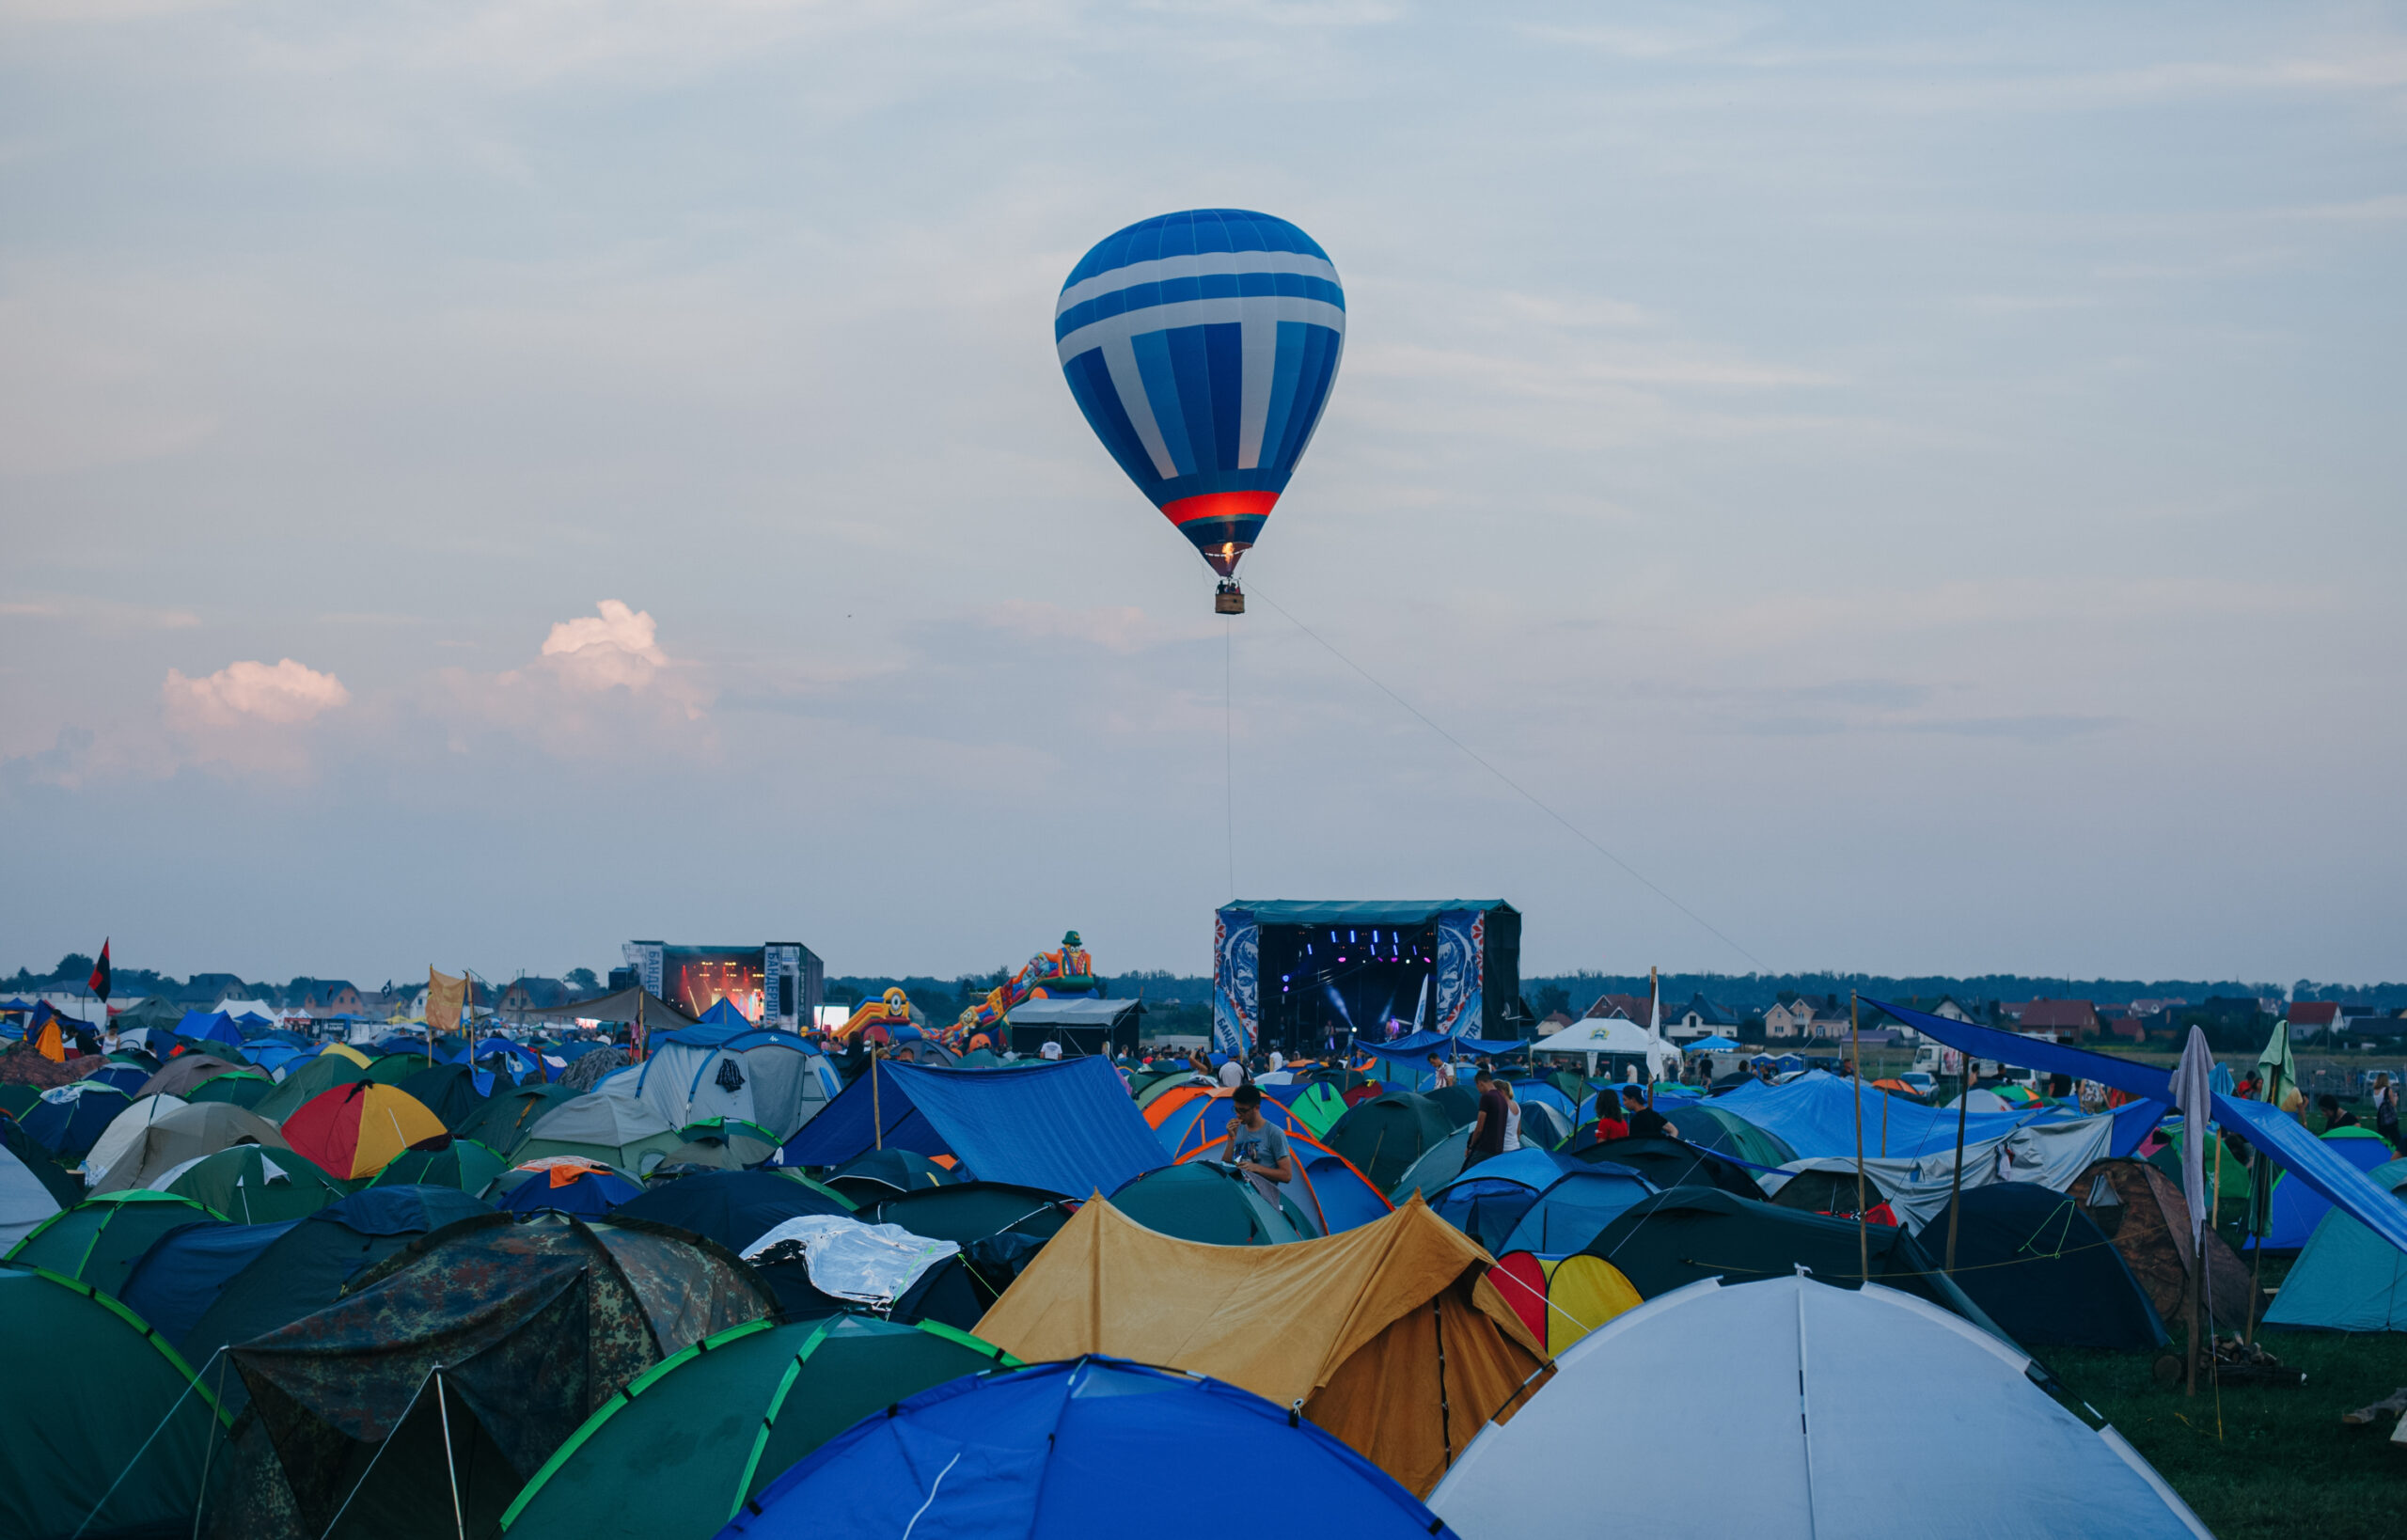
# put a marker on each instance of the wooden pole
(876, 1114)
(1863, 1231)
(1956, 1183)
(2256, 1193)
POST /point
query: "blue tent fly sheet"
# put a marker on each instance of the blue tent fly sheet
(1815, 1115)
(2289, 1144)
(1066, 1126)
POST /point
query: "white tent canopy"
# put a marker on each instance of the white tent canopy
(124, 1132)
(1598, 1036)
(1863, 1412)
(772, 1079)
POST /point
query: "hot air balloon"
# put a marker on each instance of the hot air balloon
(1200, 346)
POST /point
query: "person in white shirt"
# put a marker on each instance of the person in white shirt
(1277, 1061)
(1050, 1050)
(1233, 1073)
(1512, 1116)
(1441, 1074)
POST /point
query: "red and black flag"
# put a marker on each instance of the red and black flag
(101, 973)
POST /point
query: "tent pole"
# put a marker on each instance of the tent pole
(1862, 1233)
(876, 1114)
(2256, 1192)
(1955, 1181)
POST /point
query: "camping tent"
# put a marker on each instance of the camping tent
(251, 1185)
(972, 1211)
(1203, 1201)
(25, 1201)
(1825, 1390)
(178, 1076)
(1327, 1191)
(1191, 1117)
(874, 1175)
(2034, 1260)
(675, 1457)
(563, 1186)
(1561, 1299)
(69, 1119)
(354, 1130)
(733, 1208)
(1343, 1327)
(462, 1163)
(775, 1080)
(533, 1325)
(1385, 1135)
(1674, 1163)
(2142, 1211)
(504, 1118)
(1065, 1126)
(1033, 1454)
(181, 1136)
(1676, 1238)
(123, 1131)
(1535, 1201)
(451, 1092)
(615, 1130)
(2347, 1279)
(1316, 1106)
(205, 1285)
(2295, 1209)
(99, 1239)
(337, 1066)
(116, 1439)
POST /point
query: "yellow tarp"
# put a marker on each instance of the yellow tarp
(1390, 1336)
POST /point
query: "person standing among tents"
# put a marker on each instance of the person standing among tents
(1441, 1074)
(2385, 1111)
(1233, 1073)
(1257, 1150)
(1487, 1131)
(1645, 1122)
(1512, 1116)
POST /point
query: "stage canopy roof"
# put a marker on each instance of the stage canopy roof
(1360, 912)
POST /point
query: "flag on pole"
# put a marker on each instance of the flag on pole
(101, 973)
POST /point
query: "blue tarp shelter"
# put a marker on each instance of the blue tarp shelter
(1066, 1126)
(2296, 1208)
(2305, 1157)
(724, 1014)
(1716, 1044)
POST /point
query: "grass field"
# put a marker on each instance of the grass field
(2259, 1463)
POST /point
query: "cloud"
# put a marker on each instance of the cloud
(247, 694)
(612, 650)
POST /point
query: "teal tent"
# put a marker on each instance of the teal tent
(2347, 1279)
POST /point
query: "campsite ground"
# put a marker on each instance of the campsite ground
(2260, 1462)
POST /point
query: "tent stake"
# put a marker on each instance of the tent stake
(1862, 1232)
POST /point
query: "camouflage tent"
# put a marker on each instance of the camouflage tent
(2142, 1211)
(467, 1358)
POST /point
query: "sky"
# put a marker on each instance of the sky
(1912, 488)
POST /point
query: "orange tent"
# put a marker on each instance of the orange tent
(1389, 1336)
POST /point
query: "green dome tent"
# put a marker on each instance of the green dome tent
(1203, 1201)
(117, 1441)
(1318, 1106)
(253, 1186)
(675, 1455)
(99, 1239)
(1384, 1136)
(464, 1163)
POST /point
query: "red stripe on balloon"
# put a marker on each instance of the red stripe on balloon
(1220, 505)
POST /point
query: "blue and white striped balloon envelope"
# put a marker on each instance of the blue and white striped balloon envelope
(1202, 346)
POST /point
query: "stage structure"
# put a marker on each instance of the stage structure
(778, 986)
(1303, 976)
